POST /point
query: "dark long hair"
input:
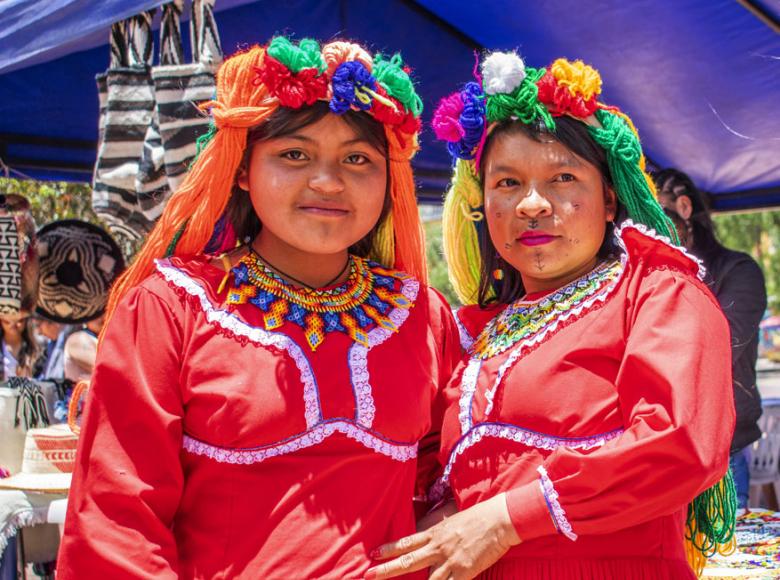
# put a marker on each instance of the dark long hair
(286, 121)
(573, 135)
(28, 352)
(674, 182)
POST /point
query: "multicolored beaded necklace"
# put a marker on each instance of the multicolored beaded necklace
(356, 307)
(524, 319)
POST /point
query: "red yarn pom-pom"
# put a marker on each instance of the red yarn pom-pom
(292, 89)
(400, 119)
(560, 101)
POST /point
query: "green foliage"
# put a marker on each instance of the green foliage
(52, 201)
(437, 267)
(757, 234)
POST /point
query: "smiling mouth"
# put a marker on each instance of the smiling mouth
(535, 238)
(323, 211)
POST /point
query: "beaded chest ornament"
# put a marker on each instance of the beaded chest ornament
(523, 319)
(354, 308)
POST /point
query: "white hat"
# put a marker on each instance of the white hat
(47, 464)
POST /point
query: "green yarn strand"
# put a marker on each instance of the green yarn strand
(202, 141)
(522, 104)
(395, 80)
(712, 516)
(296, 58)
(624, 153)
(175, 241)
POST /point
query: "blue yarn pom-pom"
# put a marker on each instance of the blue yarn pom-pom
(348, 79)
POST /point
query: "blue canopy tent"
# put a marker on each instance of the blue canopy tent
(701, 78)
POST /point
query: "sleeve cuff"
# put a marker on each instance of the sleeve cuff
(529, 512)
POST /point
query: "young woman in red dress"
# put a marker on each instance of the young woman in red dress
(594, 402)
(268, 409)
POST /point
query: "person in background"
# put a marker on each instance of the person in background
(738, 283)
(19, 347)
(52, 336)
(81, 351)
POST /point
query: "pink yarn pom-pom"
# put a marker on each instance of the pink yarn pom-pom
(446, 119)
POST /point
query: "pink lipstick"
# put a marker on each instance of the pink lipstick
(535, 238)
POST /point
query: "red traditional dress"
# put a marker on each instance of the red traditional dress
(258, 432)
(601, 409)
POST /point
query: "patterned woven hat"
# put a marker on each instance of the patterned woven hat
(47, 465)
(78, 263)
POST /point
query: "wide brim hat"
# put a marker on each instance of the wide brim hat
(47, 464)
(78, 262)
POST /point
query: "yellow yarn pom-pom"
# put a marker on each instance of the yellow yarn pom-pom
(580, 78)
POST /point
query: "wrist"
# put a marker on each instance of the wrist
(505, 528)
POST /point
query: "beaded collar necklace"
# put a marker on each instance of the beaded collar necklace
(354, 308)
(524, 319)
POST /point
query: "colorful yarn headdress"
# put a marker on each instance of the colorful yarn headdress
(506, 89)
(251, 86)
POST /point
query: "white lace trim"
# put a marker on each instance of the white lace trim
(358, 357)
(257, 335)
(651, 233)
(468, 387)
(311, 437)
(21, 519)
(466, 340)
(556, 511)
(524, 437)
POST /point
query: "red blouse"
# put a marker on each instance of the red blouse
(214, 448)
(602, 409)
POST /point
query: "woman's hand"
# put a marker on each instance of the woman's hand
(457, 548)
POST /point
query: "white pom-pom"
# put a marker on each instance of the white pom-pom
(502, 72)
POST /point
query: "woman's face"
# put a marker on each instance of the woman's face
(546, 209)
(13, 324)
(318, 190)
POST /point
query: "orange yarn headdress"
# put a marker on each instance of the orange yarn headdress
(251, 85)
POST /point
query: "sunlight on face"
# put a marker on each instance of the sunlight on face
(546, 209)
(318, 190)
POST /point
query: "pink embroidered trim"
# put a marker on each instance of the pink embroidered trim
(466, 340)
(259, 336)
(524, 437)
(556, 511)
(468, 386)
(651, 233)
(358, 357)
(398, 451)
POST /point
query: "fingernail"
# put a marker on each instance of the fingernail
(370, 573)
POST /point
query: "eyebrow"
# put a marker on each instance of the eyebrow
(570, 161)
(305, 139)
(567, 162)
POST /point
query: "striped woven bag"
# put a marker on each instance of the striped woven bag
(179, 88)
(126, 108)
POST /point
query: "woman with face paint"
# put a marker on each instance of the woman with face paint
(268, 408)
(584, 433)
